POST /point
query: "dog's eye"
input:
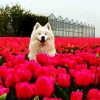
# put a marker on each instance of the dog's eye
(39, 33)
(45, 34)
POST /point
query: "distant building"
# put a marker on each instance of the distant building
(70, 28)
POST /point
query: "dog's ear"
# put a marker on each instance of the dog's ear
(48, 26)
(37, 25)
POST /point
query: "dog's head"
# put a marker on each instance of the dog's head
(42, 33)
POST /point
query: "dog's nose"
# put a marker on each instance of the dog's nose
(43, 37)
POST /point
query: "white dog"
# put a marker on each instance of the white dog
(42, 41)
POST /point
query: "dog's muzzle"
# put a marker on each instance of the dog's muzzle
(43, 39)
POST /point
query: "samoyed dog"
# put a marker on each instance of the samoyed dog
(41, 41)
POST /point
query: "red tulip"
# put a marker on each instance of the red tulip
(3, 72)
(22, 75)
(93, 94)
(24, 90)
(92, 59)
(44, 86)
(61, 71)
(9, 81)
(32, 66)
(19, 59)
(81, 78)
(78, 59)
(0, 81)
(63, 80)
(9, 64)
(42, 71)
(3, 90)
(76, 95)
(81, 66)
(42, 58)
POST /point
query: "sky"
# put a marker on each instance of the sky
(86, 11)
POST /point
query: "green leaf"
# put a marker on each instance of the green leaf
(11, 95)
(59, 92)
(3, 97)
(2, 60)
(36, 98)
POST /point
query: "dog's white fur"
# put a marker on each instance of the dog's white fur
(36, 46)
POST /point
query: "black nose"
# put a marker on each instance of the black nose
(43, 38)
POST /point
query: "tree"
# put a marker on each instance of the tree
(4, 19)
(15, 21)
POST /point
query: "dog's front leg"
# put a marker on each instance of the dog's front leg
(32, 56)
(52, 53)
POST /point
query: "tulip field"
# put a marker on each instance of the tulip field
(72, 74)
